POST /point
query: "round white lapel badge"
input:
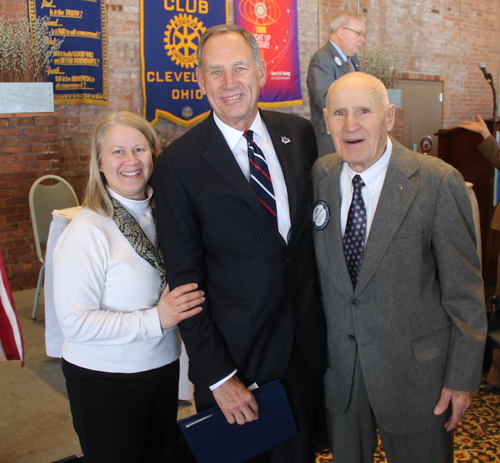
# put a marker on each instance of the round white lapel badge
(321, 215)
(338, 62)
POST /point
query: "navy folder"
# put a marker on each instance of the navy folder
(213, 440)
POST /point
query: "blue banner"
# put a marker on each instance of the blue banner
(79, 70)
(170, 33)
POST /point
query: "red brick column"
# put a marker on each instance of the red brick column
(399, 125)
(29, 149)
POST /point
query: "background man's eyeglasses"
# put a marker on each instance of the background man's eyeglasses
(358, 33)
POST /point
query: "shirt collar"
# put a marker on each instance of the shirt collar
(135, 207)
(233, 136)
(374, 176)
(341, 53)
(148, 190)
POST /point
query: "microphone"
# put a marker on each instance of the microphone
(489, 79)
(487, 75)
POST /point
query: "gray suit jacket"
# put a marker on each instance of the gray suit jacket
(323, 71)
(416, 318)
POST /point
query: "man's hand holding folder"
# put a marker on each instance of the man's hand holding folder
(236, 402)
(213, 440)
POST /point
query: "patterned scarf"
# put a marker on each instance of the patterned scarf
(134, 234)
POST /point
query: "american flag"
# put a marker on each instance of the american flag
(11, 339)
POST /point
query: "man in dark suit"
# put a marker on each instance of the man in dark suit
(336, 58)
(250, 251)
(401, 286)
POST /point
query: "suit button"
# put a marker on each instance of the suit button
(356, 302)
(351, 338)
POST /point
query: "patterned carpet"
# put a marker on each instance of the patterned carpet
(477, 438)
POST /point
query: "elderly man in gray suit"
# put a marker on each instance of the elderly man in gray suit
(401, 286)
(335, 59)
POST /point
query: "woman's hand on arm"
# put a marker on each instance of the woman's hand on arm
(177, 305)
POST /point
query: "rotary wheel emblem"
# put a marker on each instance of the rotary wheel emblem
(426, 144)
(260, 10)
(182, 37)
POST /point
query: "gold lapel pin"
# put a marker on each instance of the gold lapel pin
(400, 186)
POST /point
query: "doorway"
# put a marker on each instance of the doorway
(422, 103)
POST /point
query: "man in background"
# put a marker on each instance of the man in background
(336, 58)
(401, 286)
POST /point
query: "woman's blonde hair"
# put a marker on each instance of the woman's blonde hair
(96, 196)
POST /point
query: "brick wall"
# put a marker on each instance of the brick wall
(13, 9)
(444, 38)
(29, 148)
(399, 124)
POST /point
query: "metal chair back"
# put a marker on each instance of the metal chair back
(43, 199)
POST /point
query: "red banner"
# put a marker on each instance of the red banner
(274, 25)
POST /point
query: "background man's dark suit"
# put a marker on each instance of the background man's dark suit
(323, 71)
(491, 151)
(261, 293)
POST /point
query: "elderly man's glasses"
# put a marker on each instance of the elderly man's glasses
(358, 33)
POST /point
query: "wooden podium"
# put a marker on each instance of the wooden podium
(458, 147)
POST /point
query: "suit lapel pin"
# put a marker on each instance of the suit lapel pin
(337, 60)
(285, 140)
(400, 186)
(321, 215)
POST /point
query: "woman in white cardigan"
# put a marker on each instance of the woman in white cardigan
(121, 347)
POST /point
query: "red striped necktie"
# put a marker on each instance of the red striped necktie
(260, 178)
(349, 63)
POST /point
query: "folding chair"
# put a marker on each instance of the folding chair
(43, 199)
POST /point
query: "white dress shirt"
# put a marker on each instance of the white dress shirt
(341, 53)
(374, 178)
(239, 147)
